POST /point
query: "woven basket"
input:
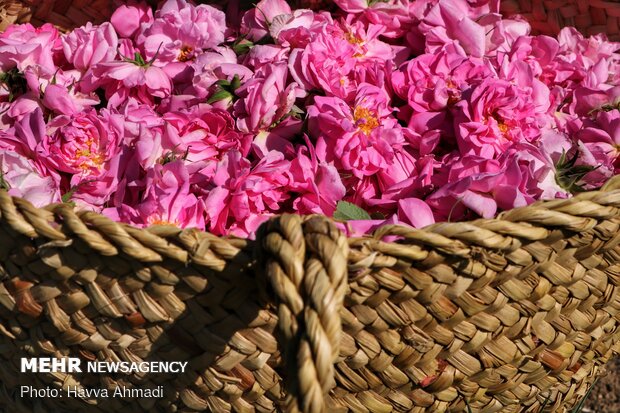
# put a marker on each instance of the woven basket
(545, 16)
(514, 314)
(549, 16)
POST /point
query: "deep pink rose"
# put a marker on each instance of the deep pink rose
(203, 134)
(88, 146)
(361, 138)
(241, 197)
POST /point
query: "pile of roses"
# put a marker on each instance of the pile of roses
(414, 111)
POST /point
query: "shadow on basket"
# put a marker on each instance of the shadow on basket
(514, 314)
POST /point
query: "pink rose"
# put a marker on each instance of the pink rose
(88, 45)
(21, 178)
(499, 114)
(168, 199)
(24, 45)
(415, 212)
(318, 184)
(241, 197)
(397, 16)
(181, 31)
(88, 146)
(133, 77)
(599, 146)
(128, 18)
(361, 138)
(203, 134)
(256, 22)
(265, 99)
(331, 61)
(218, 64)
(293, 30)
(28, 138)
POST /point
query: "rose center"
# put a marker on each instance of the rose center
(156, 219)
(365, 119)
(186, 53)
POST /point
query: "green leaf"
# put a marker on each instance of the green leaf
(568, 175)
(222, 83)
(346, 211)
(66, 197)
(235, 84)
(139, 59)
(242, 46)
(221, 94)
(3, 183)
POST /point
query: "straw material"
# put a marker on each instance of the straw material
(545, 16)
(69, 14)
(500, 315)
(65, 14)
(549, 16)
(514, 314)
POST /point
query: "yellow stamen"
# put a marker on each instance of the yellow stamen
(353, 39)
(186, 54)
(365, 119)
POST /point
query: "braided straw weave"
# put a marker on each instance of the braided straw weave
(545, 16)
(496, 315)
(65, 14)
(549, 16)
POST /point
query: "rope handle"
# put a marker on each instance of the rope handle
(306, 265)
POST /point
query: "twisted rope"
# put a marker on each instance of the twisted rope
(307, 269)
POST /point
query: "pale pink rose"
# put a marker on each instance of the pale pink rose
(128, 18)
(24, 45)
(20, 177)
(293, 30)
(265, 99)
(257, 21)
(88, 45)
(168, 200)
(181, 31)
(219, 64)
